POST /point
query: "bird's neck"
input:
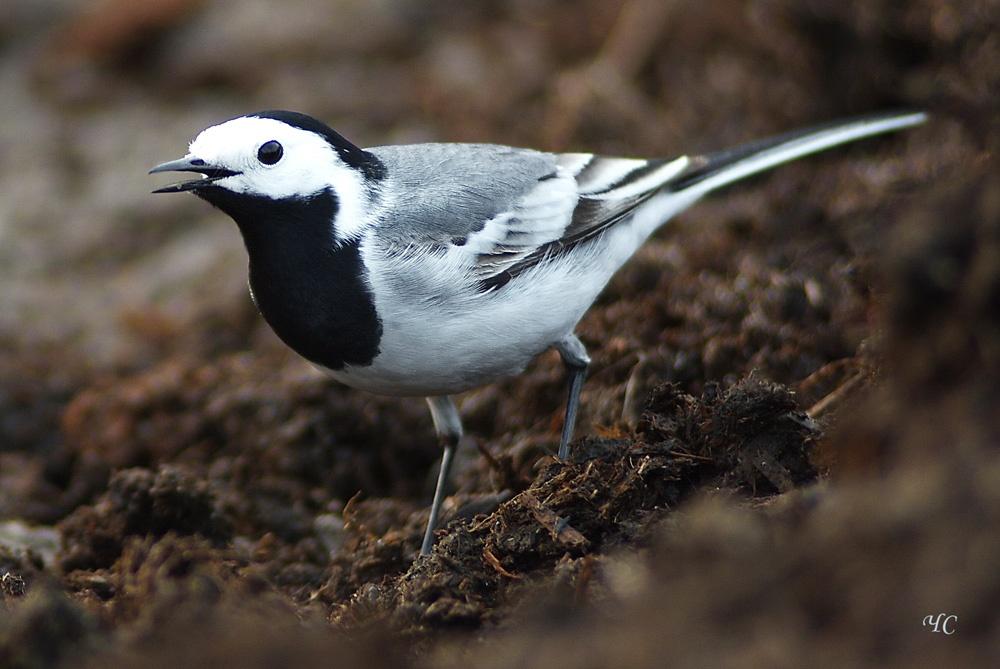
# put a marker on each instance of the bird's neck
(312, 290)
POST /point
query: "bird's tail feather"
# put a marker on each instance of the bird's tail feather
(715, 170)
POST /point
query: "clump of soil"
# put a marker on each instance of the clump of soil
(141, 503)
(754, 432)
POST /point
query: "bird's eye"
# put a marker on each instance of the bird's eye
(270, 152)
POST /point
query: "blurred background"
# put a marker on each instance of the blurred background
(153, 432)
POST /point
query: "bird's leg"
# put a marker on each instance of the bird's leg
(574, 356)
(448, 426)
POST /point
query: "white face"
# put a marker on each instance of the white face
(308, 164)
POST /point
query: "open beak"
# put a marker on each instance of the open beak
(210, 174)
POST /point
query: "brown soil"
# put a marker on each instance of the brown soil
(788, 438)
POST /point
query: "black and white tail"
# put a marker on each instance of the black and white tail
(715, 170)
(613, 190)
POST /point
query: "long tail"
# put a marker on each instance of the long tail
(715, 170)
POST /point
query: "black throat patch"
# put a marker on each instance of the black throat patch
(313, 293)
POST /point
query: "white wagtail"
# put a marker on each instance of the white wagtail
(430, 269)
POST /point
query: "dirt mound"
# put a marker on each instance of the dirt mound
(607, 495)
(140, 503)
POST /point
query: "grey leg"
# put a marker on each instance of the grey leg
(448, 425)
(574, 356)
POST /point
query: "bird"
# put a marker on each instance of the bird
(431, 269)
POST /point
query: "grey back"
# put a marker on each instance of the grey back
(445, 192)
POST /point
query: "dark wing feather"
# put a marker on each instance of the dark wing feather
(601, 205)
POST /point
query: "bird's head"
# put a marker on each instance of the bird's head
(276, 157)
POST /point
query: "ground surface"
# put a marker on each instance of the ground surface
(788, 439)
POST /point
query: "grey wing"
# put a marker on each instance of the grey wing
(443, 193)
(508, 209)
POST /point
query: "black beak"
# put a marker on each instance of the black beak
(210, 174)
